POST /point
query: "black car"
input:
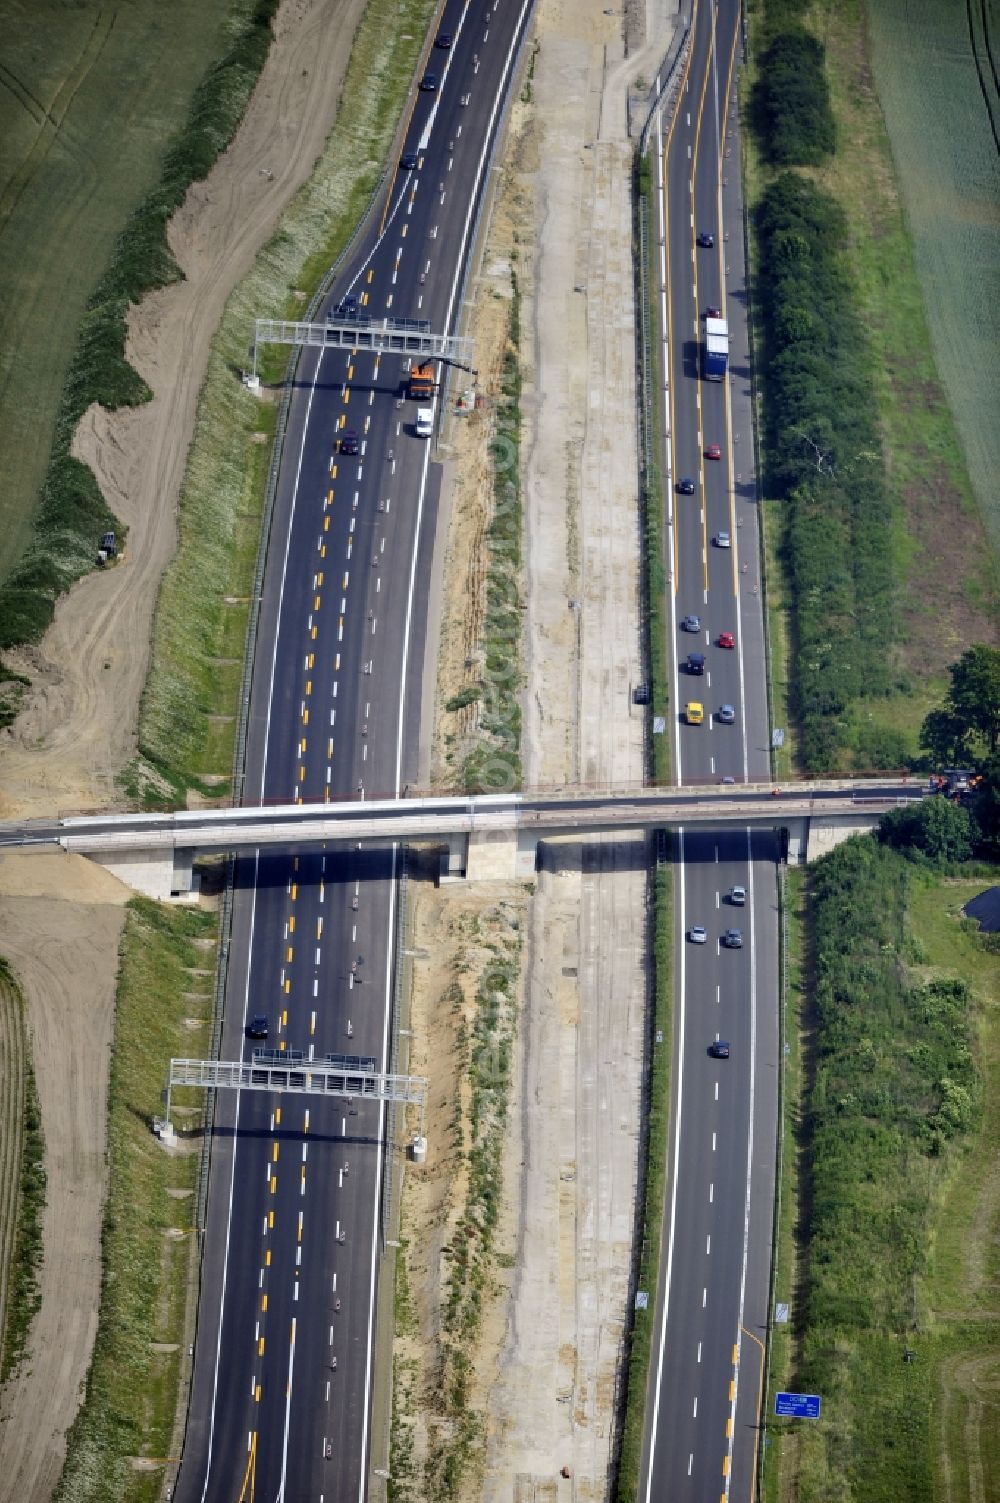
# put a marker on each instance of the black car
(409, 161)
(706, 239)
(347, 308)
(429, 83)
(444, 40)
(719, 1050)
(696, 662)
(685, 487)
(349, 441)
(257, 1027)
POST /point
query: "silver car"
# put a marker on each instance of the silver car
(698, 935)
(722, 540)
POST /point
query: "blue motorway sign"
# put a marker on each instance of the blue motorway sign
(797, 1405)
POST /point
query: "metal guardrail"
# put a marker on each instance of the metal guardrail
(665, 72)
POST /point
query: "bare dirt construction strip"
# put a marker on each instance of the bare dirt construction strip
(60, 920)
(63, 949)
(77, 727)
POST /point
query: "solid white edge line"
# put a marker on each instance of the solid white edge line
(229, 1211)
(746, 1202)
(673, 1186)
(284, 570)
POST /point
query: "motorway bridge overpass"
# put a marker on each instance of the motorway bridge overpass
(484, 836)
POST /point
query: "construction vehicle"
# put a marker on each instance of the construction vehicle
(421, 384)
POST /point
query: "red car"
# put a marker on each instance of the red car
(713, 312)
(713, 451)
(726, 639)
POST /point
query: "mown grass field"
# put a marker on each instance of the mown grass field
(949, 172)
(90, 96)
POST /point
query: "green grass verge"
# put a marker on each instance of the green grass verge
(895, 1309)
(23, 1197)
(784, 758)
(193, 679)
(71, 513)
(130, 1401)
(657, 1125)
(781, 1349)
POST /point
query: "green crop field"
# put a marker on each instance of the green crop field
(937, 110)
(90, 94)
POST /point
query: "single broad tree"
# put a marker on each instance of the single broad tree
(967, 727)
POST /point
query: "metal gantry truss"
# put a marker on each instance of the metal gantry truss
(385, 336)
(292, 1073)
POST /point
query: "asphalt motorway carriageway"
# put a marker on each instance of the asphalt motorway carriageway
(712, 1302)
(281, 1403)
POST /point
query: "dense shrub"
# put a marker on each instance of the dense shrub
(790, 106)
(935, 828)
(72, 513)
(894, 1082)
(823, 457)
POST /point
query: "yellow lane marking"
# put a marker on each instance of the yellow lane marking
(289, 953)
(291, 924)
(274, 1153)
(371, 273)
(295, 891)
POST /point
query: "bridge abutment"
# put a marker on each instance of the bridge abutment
(168, 876)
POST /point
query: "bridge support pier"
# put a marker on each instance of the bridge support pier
(168, 876)
(797, 841)
(490, 856)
